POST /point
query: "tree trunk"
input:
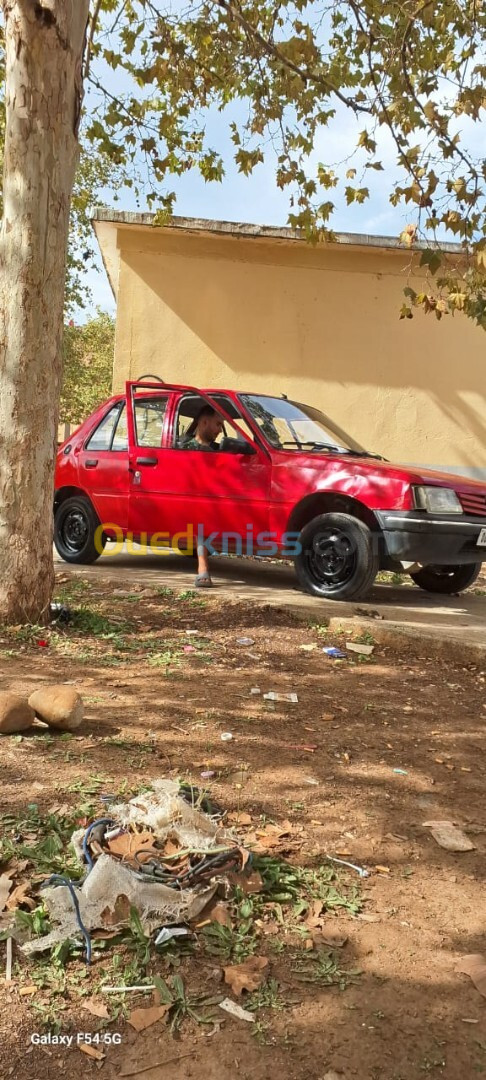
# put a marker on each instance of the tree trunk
(44, 51)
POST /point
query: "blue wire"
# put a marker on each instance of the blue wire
(89, 830)
(58, 879)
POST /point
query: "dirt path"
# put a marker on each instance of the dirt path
(385, 1005)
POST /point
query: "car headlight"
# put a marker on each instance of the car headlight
(437, 500)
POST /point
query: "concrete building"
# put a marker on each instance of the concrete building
(256, 308)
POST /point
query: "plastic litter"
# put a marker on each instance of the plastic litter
(235, 1010)
(352, 866)
(255, 690)
(272, 696)
(245, 641)
(401, 772)
(60, 613)
(208, 774)
(100, 901)
(226, 736)
(167, 933)
(189, 649)
(334, 653)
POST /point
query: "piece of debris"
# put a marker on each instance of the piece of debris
(91, 1051)
(15, 713)
(207, 774)
(255, 690)
(226, 736)
(342, 862)
(8, 966)
(168, 933)
(273, 696)
(474, 965)
(246, 976)
(58, 706)
(5, 887)
(357, 647)
(309, 647)
(448, 836)
(144, 1018)
(334, 653)
(245, 641)
(401, 772)
(235, 1010)
(147, 988)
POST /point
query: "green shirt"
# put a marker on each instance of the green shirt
(193, 444)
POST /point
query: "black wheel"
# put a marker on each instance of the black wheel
(447, 579)
(75, 525)
(339, 559)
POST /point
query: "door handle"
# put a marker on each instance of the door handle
(146, 461)
(91, 463)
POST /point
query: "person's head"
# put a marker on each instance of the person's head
(207, 424)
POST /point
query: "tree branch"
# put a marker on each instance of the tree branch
(93, 22)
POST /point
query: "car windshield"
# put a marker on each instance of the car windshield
(287, 425)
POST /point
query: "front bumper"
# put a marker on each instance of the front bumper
(441, 540)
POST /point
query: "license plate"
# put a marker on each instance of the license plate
(481, 542)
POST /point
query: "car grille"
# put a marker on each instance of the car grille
(473, 504)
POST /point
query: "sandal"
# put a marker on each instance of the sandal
(203, 581)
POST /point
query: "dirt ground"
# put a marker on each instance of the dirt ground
(373, 748)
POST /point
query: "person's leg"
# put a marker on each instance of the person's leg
(203, 579)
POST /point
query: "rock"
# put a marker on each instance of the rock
(59, 706)
(15, 713)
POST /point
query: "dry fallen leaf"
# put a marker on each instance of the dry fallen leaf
(144, 1018)
(382, 869)
(19, 896)
(474, 966)
(96, 1008)
(314, 915)
(248, 883)
(127, 844)
(246, 976)
(24, 991)
(239, 818)
(92, 1052)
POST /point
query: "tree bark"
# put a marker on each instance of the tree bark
(44, 52)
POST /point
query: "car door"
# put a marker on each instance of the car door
(147, 416)
(201, 493)
(103, 466)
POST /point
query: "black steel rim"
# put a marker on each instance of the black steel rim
(75, 530)
(331, 559)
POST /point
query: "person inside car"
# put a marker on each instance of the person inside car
(204, 430)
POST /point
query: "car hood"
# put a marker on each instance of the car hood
(411, 474)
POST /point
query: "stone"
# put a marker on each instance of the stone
(15, 714)
(59, 706)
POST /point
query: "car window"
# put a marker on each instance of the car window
(120, 437)
(189, 408)
(149, 420)
(102, 437)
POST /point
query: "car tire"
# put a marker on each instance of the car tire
(339, 557)
(75, 525)
(447, 579)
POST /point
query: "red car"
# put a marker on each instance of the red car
(285, 481)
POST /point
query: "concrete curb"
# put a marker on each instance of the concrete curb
(420, 643)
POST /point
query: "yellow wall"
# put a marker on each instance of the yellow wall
(319, 324)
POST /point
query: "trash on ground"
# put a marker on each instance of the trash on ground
(273, 696)
(168, 883)
(235, 1010)
(189, 649)
(95, 1008)
(474, 965)
(357, 647)
(334, 653)
(226, 736)
(208, 774)
(342, 862)
(245, 641)
(401, 772)
(246, 976)
(5, 887)
(255, 690)
(312, 781)
(59, 613)
(91, 1051)
(309, 647)
(448, 836)
(169, 933)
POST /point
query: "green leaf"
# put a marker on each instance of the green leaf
(431, 259)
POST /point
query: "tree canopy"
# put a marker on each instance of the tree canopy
(88, 366)
(412, 68)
